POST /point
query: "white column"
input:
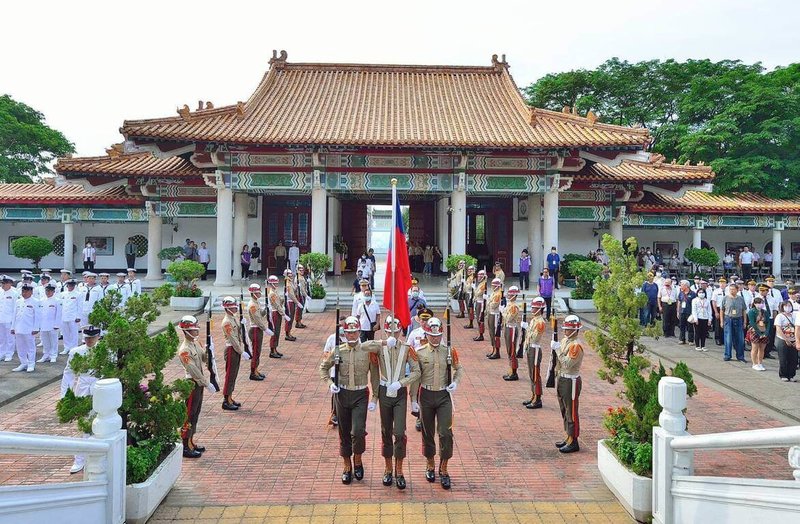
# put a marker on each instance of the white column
(535, 233)
(443, 230)
(458, 201)
(154, 223)
(319, 212)
(239, 231)
(69, 241)
(615, 229)
(777, 252)
(224, 236)
(550, 233)
(697, 237)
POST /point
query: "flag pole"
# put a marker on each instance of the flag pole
(393, 245)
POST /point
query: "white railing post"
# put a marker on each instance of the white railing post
(794, 461)
(666, 462)
(106, 400)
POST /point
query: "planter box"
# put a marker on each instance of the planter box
(187, 303)
(569, 282)
(635, 493)
(142, 500)
(581, 306)
(316, 305)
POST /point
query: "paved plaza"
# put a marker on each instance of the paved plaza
(276, 458)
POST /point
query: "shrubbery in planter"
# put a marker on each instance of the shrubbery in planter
(317, 264)
(162, 294)
(586, 273)
(566, 260)
(452, 262)
(701, 258)
(170, 253)
(317, 291)
(186, 273)
(32, 248)
(152, 410)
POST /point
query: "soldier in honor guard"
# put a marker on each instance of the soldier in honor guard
(50, 323)
(27, 317)
(8, 304)
(493, 303)
(350, 387)
(498, 272)
(457, 283)
(330, 344)
(440, 373)
(258, 321)
(71, 313)
(122, 288)
(534, 334)
(234, 347)
(469, 290)
(277, 312)
(390, 386)
(512, 317)
(291, 304)
(479, 295)
(568, 385)
(303, 293)
(194, 359)
(134, 283)
(416, 339)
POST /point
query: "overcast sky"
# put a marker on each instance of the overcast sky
(88, 65)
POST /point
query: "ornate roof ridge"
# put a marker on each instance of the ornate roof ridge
(590, 120)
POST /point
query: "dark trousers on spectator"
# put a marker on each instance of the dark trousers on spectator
(686, 327)
(131, 260)
(549, 302)
(746, 270)
(523, 280)
(88, 265)
(787, 359)
(554, 273)
(771, 342)
(701, 332)
(719, 339)
(669, 318)
(205, 271)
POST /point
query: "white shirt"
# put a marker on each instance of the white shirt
(26, 316)
(748, 297)
(701, 308)
(668, 295)
(774, 299)
(89, 253)
(134, 286)
(8, 303)
(768, 257)
(51, 313)
(294, 253)
(90, 296)
(71, 305)
(123, 289)
(745, 257)
(415, 338)
(717, 295)
(203, 255)
(368, 313)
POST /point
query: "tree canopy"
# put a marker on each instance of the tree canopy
(740, 119)
(27, 144)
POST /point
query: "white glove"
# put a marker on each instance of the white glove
(371, 406)
(287, 318)
(415, 407)
(485, 296)
(268, 332)
(452, 387)
(523, 325)
(391, 342)
(334, 388)
(210, 388)
(245, 356)
(394, 387)
(555, 345)
(502, 309)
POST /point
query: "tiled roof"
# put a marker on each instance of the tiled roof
(700, 202)
(30, 194)
(653, 171)
(387, 105)
(127, 164)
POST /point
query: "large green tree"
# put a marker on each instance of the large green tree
(741, 120)
(27, 144)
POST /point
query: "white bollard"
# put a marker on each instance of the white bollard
(107, 425)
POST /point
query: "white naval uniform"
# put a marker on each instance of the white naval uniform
(124, 290)
(134, 286)
(71, 305)
(26, 321)
(89, 296)
(8, 303)
(49, 326)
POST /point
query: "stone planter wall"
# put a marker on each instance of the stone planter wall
(142, 500)
(316, 305)
(635, 493)
(581, 306)
(187, 303)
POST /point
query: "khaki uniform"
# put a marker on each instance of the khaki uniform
(302, 294)
(568, 385)
(194, 360)
(436, 405)
(511, 318)
(292, 303)
(499, 273)
(480, 307)
(259, 323)
(234, 347)
(351, 402)
(391, 364)
(276, 311)
(457, 284)
(469, 291)
(533, 352)
(495, 319)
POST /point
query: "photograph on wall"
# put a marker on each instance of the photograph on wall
(795, 250)
(103, 245)
(665, 247)
(735, 247)
(10, 240)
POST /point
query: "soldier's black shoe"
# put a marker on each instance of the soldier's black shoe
(468, 326)
(300, 326)
(237, 404)
(430, 475)
(290, 338)
(191, 453)
(571, 447)
(347, 477)
(444, 479)
(387, 479)
(561, 444)
(510, 378)
(527, 403)
(493, 356)
(256, 376)
(461, 315)
(358, 471)
(201, 449)
(262, 375)
(479, 338)
(229, 407)
(275, 355)
(535, 405)
(401, 482)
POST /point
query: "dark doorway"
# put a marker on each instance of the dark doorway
(285, 219)
(489, 232)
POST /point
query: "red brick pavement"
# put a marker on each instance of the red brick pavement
(278, 448)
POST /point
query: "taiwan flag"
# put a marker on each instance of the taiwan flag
(398, 271)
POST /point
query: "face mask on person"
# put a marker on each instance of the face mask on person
(760, 306)
(701, 294)
(415, 294)
(368, 298)
(788, 308)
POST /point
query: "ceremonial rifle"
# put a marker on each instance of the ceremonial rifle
(498, 329)
(212, 363)
(449, 349)
(241, 325)
(521, 347)
(337, 358)
(551, 371)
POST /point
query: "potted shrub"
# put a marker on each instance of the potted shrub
(317, 264)
(32, 248)
(188, 297)
(172, 254)
(565, 275)
(152, 410)
(625, 458)
(452, 266)
(701, 258)
(586, 273)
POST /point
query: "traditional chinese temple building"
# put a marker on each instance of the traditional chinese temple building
(483, 173)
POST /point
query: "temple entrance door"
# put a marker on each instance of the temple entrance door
(421, 231)
(285, 219)
(489, 232)
(354, 230)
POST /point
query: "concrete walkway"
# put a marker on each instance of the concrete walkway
(763, 388)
